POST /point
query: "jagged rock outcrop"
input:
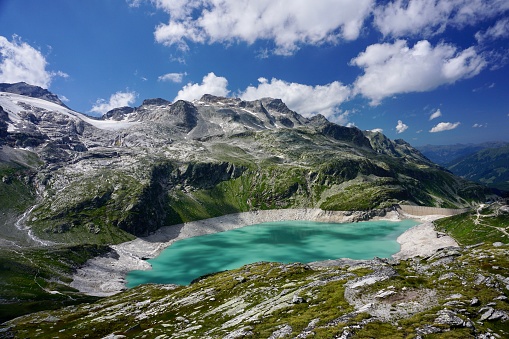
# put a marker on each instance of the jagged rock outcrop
(118, 114)
(156, 102)
(397, 148)
(341, 133)
(32, 91)
(4, 118)
(185, 115)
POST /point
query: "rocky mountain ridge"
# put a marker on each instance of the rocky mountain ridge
(488, 166)
(25, 89)
(445, 154)
(137, 169)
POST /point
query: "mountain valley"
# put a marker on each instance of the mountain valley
(73, 185)
(137, 169)
(484, 163)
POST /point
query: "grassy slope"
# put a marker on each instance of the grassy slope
(28, 275)
(16, 195)
(36, 279)
(89, 211)
(469, 228)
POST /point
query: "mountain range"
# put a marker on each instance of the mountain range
(105, 180)
(485, 163)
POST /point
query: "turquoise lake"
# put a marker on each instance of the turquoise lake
(285, 241)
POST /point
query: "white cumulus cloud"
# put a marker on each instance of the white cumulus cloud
(393, 68)
(435, 115)
(428, 17)
(172, 77)
(377, 130)
(401, 127)
(20, 62)
(211, 84)
(118, 99)
(444, 126)
(288, 23)
(304, 99)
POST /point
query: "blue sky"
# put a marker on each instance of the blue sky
(427, 71)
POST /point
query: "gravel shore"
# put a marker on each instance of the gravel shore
(105, 275)
(422, 241)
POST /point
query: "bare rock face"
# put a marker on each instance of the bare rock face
(31, 91)
(4, 118)
(185, 115)
(156, 102)
(118, 114)
(450, 318)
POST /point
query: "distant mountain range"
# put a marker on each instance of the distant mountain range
(446, 154)
(486, 163)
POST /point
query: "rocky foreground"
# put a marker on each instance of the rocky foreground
(431, 288)
(455, 293)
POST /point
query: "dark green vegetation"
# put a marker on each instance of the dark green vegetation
(489, 167)
(16, 193)
(38, 279)
(488, 223)
(486, 163)
(457, 293)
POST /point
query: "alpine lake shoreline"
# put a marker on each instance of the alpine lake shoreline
(105, 275)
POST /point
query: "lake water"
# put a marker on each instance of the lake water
(285, 241)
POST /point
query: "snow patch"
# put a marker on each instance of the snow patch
(13, 105)
(250, 112)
